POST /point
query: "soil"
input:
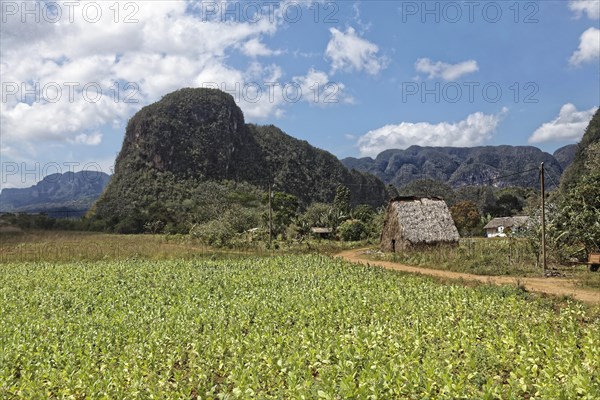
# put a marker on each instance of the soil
(551, 285)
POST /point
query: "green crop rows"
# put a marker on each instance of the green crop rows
(283, 328)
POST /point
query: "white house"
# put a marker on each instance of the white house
(497, 227)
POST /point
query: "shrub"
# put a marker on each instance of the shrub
(352, 230)
(221, 231)
(213, 233)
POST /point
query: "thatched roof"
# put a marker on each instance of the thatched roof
(416, 221)
(507, 222)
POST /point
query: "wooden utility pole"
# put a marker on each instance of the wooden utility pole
(270, 215)
(543, 217)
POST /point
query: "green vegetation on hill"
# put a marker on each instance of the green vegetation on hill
(573, 212)
(309, 173)
(172, 204)
(185, 157)
(588, 149)
(576, 222)
(498, 202)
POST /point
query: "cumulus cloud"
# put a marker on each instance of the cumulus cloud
(569, 125)
(161, 53)
(589, 47)
(255, 48)
(347, 51)
(589, 7)
(92, 139)
(473, 130)
(168, 45)
(447, 72)
(317, 88)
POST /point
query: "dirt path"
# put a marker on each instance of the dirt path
(554, 286)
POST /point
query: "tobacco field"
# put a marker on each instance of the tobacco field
(286, 327)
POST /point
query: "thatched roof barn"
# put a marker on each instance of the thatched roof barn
(416, 221)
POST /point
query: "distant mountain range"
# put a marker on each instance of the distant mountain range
(69, 194)
(499, 166)
(72, 194)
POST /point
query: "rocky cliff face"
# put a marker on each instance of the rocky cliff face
(191, 133)
(565, 155)
(500, 166)
(198, 135)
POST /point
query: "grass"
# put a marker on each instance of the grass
(477, 256)
(68, 246)
(589, 279)
(480, 256)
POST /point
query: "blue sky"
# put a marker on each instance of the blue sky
(353, 78)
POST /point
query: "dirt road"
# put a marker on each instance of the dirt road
(554, 286)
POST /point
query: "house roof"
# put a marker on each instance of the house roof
(507, 222)
(413, 198)
(423, 219)
(321, 230)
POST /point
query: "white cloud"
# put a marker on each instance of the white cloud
(569, 125)
(348, 52)
(92, 139)
(589, 47)
(167, 49)
(161, 53)
(447, 72)
(472, 131)
(255, 48)
(589, 7)
(61, 121)
(317, 89)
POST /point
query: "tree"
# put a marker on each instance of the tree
(341, 202)
(391, 191)
(285, 208)
(428, 188)
(352, 230)
(154, 227)
(579, 210)
(316, 215)
(580, 213)
(466, 216)
(483, 196)
(509, 204)
(363, 212)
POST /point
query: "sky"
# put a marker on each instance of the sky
(353, 78)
